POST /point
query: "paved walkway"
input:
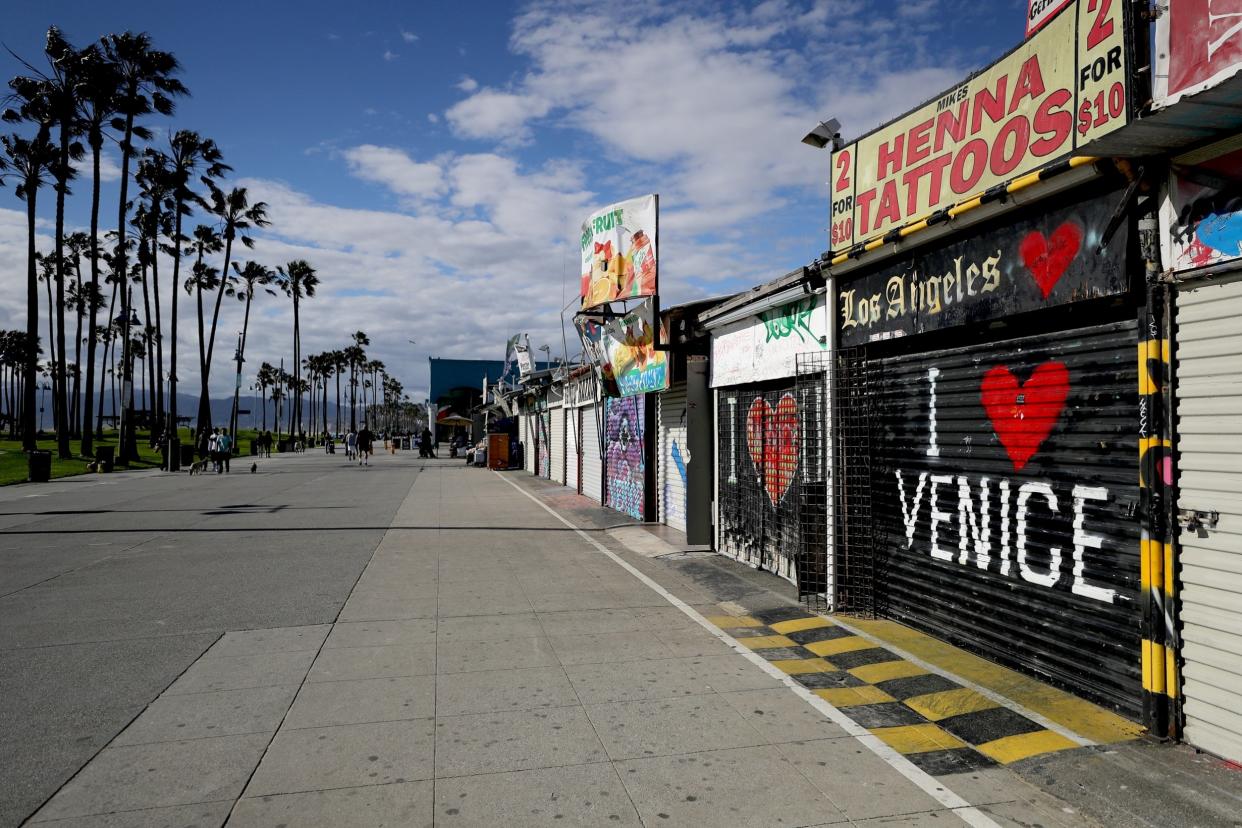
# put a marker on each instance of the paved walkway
(496, 666)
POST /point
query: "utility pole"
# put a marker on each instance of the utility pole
(237, 355)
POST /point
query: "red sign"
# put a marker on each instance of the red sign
(1199, 45)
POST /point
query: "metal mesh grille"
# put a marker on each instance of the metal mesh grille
(854, 524)
(812, 565)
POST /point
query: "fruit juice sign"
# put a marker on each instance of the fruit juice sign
(618, 247)
(1054, 94)
(629, 342)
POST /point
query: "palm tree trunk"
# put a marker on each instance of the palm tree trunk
(157, 385)
(263, 396)
(172, 333)
(203, 424)
(88, 437)
(51, 338)
(61, 381)
(32, 328)
(108, 349)
(148, 363)
(241, 352)
(127, 450)
(205, 399)
(338, 399)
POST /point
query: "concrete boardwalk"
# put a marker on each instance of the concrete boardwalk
(494, 666)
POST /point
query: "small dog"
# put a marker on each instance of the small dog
(92, 466)
(198, 467)
(254, 467)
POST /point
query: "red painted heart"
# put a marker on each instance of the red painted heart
(772, 437)
(1048, 258)
(1023, 415)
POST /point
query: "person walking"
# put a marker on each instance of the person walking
(366, 441)
(213, 449)
(351, 444)
(225, 445)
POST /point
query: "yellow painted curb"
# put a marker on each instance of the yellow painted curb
(800, 624)
(853, 696)
(942, 705)
(1024, 745)
(839, 645)
(884, 671)
(919, 738)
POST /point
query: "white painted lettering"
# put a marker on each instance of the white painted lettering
(910, 514)
(1005, 552)
(1028, 573)
(933, 448)
(1082, 540)
(938, 517)
(969, 528)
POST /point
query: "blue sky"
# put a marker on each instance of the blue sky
(433, 160)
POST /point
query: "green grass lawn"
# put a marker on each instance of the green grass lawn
(13, 461)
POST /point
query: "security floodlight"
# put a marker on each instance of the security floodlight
(825, 133)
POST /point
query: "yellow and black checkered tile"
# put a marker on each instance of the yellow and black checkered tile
(935, 722)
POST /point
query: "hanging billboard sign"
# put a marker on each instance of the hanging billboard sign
(1051, 96)
(618, 247)
(1201, 215)
(629, 343)
(591, 332)
(1039, 12)
(522, 355)
(1198, 46)
(1044, 259)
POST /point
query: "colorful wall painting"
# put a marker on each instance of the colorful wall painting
(1201, 217)
(618, 246)
(625, 456)
(633, 361)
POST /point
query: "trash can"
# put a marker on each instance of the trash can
(254, 447)
(282, 446)
(172, 454)
(187, 455)
(39, 466)
(105, 456)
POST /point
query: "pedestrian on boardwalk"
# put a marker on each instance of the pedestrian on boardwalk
(267, 444)
(351, 444)
(213, 449)
(225, 445)
(366, 440)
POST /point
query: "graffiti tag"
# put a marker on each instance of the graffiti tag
(792, 319)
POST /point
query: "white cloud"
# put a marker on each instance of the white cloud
(433, 118)
(408, 37)
(395, 170)
(491, 113)
(467, 84)
(390, 55)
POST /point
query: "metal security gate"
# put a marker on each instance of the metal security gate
(758, 483)
(592, 457)
(625, 458)
(1003, 491)
(674, 454)
(543, 425)
(1208, 370)
(556, 439)
(529, 449)
(573, 456)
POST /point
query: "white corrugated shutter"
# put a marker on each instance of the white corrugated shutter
(1208, 368)
(573, 425)
(556, 437)
(674, 454)
(592, 460)
(528, 442)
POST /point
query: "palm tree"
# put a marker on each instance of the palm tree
(251, 277)
(265, 378)
(153, 185)
(206, 241)
(327, 368)
(145, 84)
(355, 356)
(339, 364)
(189, 155)
(298, 280)
(99, 86)
(47, 275)
(237, 215)
(28, 161)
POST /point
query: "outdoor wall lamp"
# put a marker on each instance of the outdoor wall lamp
(825, 133)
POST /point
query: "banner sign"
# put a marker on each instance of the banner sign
(1201, 216)
(522, 354)
(1042, 260)
(629, 342)
(1052, 95)
(592, 335)
(1039, 12)
(1198, 46)
(619, 252)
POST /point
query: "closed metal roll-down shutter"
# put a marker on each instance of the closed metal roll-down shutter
(758, 481)
(674, 455)
(1004, 493)
(543, 425)
(1208, 370)
(592, 459)
(625, 466)
(573, 428)
(528, 442)
(556, 442)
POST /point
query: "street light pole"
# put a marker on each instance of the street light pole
(237, 355)
(129, 447)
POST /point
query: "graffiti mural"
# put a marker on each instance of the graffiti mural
(675, 504)
(1003, 502)
(765, 347)
(543, 422)
(1202, 216)
(760, 458)
(625, 460)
